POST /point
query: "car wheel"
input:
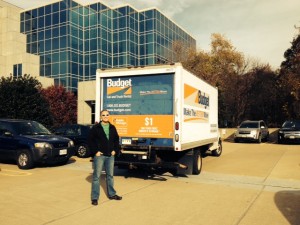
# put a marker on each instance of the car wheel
(24, 160)
(83, 151)
(197, 162)
(259, 138)
(219, 149)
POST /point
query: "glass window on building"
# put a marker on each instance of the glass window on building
(17, 70)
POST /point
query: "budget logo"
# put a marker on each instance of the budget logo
(195, 97)
(119, 86)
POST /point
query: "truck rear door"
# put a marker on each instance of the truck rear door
(141, 108)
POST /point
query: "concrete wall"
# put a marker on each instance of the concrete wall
(13, 46)
(86, 93)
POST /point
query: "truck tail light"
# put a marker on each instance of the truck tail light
(176, 126)
(176, 137)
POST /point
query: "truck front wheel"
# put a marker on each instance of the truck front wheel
(197, 162)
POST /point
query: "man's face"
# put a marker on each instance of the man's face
(104, 116)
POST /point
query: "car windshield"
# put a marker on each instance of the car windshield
(249, 125)
(30, 128)
(291, 124)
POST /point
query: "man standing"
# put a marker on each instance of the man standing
(104, 145)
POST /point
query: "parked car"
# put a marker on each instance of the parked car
(79, 134)
(29, 142)
(289, 132)
(252, 131)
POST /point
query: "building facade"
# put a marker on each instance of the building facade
(73, 40)
(68, 41)
(14, 59)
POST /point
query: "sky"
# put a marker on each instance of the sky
(260, 29)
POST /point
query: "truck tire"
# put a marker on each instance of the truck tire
(218, 151)
(83, 151)
(197, 162)
(24, 160)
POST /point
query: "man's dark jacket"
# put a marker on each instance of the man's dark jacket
(97, 140)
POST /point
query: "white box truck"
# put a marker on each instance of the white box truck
(167, 118)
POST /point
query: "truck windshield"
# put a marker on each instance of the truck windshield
(30, 128)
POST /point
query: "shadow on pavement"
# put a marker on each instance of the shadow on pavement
(141, 174)
(39, 164)
(288, 202)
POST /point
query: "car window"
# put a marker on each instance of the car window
(71, 131)
(85, 130)
(29, 128)
(60, 130)
(249, 125)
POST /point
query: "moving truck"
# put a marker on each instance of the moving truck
(167, 118)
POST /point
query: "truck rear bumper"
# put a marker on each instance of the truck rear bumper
(150, 160)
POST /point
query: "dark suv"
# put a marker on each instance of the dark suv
(289, 132)
(29, 142)
(252, 130)
(79, 134)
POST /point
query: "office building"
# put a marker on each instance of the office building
(68, 41)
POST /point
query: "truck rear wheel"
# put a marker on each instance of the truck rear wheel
(197, 162)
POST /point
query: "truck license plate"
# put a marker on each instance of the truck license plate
(63, 152)
(126, 141)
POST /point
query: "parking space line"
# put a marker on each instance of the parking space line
(13, 173)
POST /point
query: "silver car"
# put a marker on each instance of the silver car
(250, 130)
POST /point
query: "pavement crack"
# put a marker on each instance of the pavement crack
(249, 207)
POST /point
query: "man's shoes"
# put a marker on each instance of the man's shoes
(94, 202)
(115, 197)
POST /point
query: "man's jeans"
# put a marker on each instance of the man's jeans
(98, 163)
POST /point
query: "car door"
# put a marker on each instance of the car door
(264, 129)
(8, 143)
(73, 132)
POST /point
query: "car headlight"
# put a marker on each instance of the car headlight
(42, 145)
(253, 132)
(70, 144)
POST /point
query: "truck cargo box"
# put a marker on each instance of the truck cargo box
(166, 117)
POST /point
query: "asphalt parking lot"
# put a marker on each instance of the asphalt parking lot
(249, 184)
